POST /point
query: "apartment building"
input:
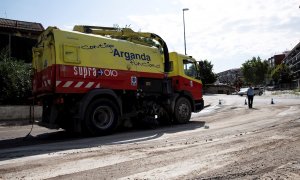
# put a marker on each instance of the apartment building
(293, 61)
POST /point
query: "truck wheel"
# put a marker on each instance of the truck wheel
(182, 110)
(101, 117)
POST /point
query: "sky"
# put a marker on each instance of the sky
(225, 32)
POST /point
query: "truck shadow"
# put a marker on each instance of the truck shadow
(54, 142)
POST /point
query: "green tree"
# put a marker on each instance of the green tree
(15, 82)
(255, 70)
(275, 73)
(281, 74)
(207, 74)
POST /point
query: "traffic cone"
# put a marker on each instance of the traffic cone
(220, 102)
(245, 101)
(272, 102)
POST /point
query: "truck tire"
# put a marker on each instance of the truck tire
(101, 117)
(182, 111)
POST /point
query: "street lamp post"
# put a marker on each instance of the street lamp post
(185, 9)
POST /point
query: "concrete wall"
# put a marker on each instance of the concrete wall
(19, 112)
(219, 89)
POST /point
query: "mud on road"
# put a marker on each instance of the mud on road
(227, 141)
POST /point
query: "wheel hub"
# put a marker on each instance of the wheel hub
(103, 117)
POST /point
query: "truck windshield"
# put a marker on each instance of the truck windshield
(190, 68)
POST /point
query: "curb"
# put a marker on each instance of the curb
(14, 122)
(207, 106)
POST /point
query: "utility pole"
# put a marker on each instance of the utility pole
(185, 9)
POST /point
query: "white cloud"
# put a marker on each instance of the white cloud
(227, 32)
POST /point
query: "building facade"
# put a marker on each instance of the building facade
(292, 60)
(18, 37)
(277, 59)
(230, 77)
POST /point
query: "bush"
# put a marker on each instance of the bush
(15, 80)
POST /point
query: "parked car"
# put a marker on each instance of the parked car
(243, 91)
(257, 91)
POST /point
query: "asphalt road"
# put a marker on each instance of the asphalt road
(224, 141)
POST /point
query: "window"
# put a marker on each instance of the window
(190, 68)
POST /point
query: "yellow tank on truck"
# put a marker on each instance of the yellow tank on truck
(91, 50)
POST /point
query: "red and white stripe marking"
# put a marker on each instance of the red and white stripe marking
(46, 83)
(77, 84)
